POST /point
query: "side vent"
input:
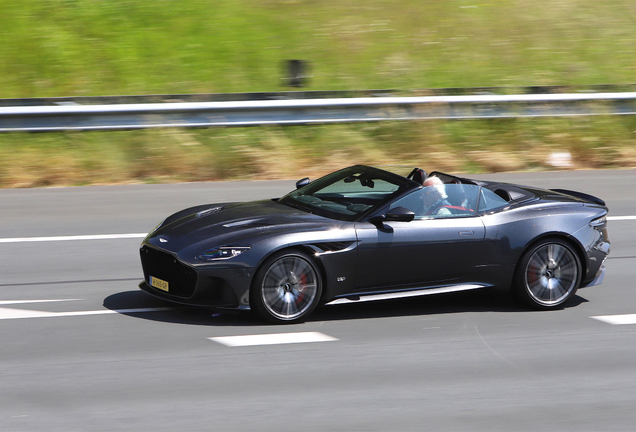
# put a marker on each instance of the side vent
(331, 247)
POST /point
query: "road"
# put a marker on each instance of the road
(105, 356)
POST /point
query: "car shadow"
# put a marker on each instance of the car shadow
(137, 303)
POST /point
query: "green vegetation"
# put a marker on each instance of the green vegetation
(92, 47)
(172, 155)
(114, 47)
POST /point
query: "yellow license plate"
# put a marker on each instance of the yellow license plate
(158, 283)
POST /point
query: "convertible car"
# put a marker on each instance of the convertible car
(373, 233)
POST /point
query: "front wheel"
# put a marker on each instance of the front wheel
(548, 274)
(286, 288)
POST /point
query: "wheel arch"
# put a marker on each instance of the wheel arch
(272, 311)
(321, 268)
(308, 250)
(576, 246)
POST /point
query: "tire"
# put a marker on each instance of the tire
(286, 288)
(548, 274)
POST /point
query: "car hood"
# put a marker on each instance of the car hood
(222, 224)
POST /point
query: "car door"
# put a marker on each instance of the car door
(431, 250)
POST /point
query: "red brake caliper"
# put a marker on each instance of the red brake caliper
(301, 293)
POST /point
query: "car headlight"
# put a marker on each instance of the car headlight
(223, 252)
(599, 221)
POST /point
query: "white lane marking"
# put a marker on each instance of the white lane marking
(616, 319)
(143, 235)
(72, 238)
(10, 302)
(7, 313)
(273, 339)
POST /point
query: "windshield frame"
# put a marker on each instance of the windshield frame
(317, 185)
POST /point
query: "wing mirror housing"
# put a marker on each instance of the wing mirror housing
(302, 183)
(397, 214)
(400, 214)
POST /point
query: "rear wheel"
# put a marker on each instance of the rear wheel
(548, 274)
(287, 288)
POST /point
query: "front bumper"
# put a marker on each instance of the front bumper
(211, 286)
(598, 279)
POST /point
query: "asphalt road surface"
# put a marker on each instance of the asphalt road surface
(83, 349)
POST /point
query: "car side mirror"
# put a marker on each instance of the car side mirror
(302, 183)
(397, 214)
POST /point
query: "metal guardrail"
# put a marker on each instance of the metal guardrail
(236, 97)
(73, 116)
(315, 94)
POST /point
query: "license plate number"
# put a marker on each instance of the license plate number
(158, 283)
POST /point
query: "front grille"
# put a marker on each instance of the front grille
(181, 278)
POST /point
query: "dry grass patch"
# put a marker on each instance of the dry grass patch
(176, 155)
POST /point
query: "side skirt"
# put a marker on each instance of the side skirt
(402, 294)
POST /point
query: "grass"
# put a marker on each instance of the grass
(293, 152)
(115, 47)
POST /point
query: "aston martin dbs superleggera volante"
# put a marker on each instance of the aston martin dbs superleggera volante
(372, 233)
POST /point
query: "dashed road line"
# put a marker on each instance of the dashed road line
(143, 235)
(11, 313)
(73, 238)
(273, 339)
(11, 302)
(619, 218)
(7, 313)
(616, 319)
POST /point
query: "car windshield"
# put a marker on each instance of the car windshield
(347, 194)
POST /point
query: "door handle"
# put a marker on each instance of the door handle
(466, 233)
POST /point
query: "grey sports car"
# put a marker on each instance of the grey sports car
(372, 233)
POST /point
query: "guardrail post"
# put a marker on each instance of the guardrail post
(297, 72)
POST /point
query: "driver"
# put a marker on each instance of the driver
(434, 197)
